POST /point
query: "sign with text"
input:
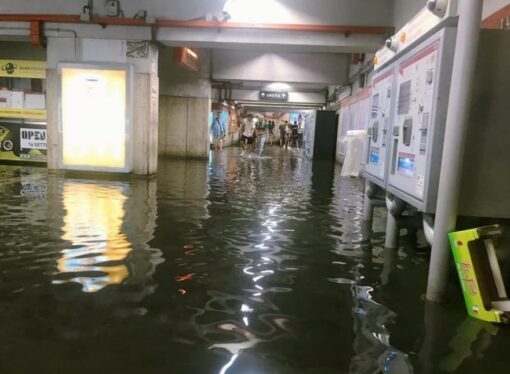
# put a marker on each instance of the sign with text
(23, 142)
(33, 138)
(23, 69)
(273, 96)
(39, 114)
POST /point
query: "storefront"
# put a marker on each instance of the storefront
(23, 111)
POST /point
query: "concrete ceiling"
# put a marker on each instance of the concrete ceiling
(346, 12)
(175, 9)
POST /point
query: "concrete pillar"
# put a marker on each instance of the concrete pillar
(185, 102)
(145, 100)
(52, 118)
(145, 124)
(184, 126)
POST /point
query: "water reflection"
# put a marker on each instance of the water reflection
(107, 226)
(265, 271)
(447, 349)
(94, 216)
(473, 338)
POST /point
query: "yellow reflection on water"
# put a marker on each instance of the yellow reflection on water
(92, 223)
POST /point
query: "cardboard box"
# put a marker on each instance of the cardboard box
(5, 99)
(17, 99)
(35, 101)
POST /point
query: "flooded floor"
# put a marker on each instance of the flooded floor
(236, 265)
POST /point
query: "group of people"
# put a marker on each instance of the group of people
(255, 134)
(290, 134)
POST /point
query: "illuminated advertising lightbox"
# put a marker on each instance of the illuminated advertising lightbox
(95, 117)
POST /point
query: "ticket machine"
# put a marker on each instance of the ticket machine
(423, 78)
(380, 125)
(417, 136)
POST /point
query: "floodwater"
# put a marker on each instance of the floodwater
(236, 265)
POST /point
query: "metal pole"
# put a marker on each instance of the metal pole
(392, 232)
(395, 208)
(368, 207)
(470, 14)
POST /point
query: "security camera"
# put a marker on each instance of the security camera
(438, 7)
(392, 43)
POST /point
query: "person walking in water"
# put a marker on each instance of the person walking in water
(262, 134)
(217, 132)
(247, 131)
(288, 129)
(283, 133)
(294, 133)
(270, 127)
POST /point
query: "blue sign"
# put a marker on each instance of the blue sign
(374, 157)
(406, 165)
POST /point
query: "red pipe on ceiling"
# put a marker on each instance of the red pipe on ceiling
(63, 18)
(56, 18)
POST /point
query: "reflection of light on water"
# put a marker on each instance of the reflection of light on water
(93, 221)
(372, 336)
(250, 339)
(228, 364)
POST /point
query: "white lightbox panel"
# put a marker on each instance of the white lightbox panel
(95, 116)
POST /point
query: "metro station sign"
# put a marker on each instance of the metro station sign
(273, 96)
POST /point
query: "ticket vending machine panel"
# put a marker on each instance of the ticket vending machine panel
(309, 134)
(380, 125)
(417, 139)
(423, 78)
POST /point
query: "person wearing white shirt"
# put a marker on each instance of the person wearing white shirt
(247, 133)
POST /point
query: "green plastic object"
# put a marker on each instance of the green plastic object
(475, 274)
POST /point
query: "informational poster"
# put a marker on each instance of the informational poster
(23, 142)
(94, 120)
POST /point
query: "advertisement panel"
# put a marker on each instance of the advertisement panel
(94, 123)
(23, 69)
(23, 142)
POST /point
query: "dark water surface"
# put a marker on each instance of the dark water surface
(236, 265)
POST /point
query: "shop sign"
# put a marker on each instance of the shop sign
(187, 58)
(23, 69)
(27, 143)
(273, 96)
(39, 114)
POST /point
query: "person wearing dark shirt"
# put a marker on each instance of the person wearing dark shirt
(283, 133)
(294, 128)
(270, 127)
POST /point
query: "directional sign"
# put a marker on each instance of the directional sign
(273, 96)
